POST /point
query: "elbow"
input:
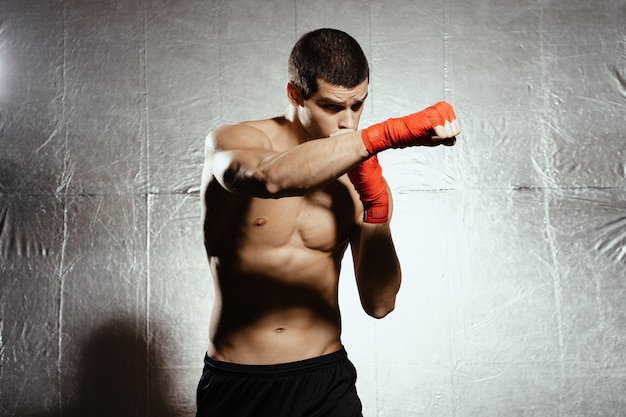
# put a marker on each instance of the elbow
(250, 182)
(377, 301)
(379, 311)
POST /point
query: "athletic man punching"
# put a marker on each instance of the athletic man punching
(283, 198)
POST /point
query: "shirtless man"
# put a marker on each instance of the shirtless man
(282, 200)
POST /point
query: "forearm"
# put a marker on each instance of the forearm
(306, 167)
(317, 162)
(244, 160)
(378, 271)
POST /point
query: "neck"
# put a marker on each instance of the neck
(292, 115)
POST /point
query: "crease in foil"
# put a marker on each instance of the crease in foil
(611, 239)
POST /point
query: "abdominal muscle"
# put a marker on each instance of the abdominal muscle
(276, 318)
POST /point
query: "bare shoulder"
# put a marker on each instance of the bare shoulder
(276, 129)
(255, 134)
(268, 126)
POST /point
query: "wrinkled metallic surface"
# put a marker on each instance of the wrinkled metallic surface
(513, 243)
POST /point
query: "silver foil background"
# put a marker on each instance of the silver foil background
(513, 242)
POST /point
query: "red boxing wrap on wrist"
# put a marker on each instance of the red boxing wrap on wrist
(368, 181)
(408, 130)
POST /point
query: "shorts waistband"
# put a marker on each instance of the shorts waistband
(276, 370)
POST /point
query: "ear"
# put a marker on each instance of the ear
(294, 96)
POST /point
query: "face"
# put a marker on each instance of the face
(331, 109)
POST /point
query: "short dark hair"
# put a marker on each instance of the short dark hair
(330, 55)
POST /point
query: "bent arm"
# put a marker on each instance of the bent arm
(376, 267)
(243, 160)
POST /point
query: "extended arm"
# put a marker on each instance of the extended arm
(243, 160)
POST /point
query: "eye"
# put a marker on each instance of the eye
(333, 107)
(357, 106)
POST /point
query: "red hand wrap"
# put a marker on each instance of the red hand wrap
(367, 179)
(408, 130)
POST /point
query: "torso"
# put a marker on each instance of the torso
(276, 265)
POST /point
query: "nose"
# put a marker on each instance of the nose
(347, 120)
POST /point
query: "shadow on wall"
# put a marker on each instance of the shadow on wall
(115, 377)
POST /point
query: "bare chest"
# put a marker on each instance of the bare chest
(319, 221)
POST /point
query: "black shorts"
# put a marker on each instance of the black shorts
(323, 386)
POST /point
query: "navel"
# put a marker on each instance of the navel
(260, 221)
(279, 329)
